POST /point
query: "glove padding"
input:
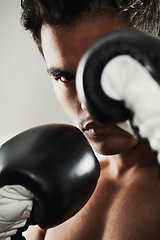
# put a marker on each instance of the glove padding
(118, 79)
(15, 207)
(58, 170)
(140, 93)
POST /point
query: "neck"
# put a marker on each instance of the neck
(136, 157)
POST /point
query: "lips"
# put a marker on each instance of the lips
(93, 130)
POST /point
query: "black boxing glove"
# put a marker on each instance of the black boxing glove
(47, 174)
(118, 79)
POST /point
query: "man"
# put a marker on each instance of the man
(125, 204)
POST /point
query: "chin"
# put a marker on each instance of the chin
(113, 146)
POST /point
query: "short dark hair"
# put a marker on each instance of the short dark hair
(144, 15)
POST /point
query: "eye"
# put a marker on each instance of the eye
(65, 79)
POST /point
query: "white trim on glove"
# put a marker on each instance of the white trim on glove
(124, 78)
(15, 207)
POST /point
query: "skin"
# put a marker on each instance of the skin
(125, 204)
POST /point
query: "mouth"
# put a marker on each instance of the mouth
(91, 129)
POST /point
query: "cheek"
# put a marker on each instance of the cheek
(67, 97)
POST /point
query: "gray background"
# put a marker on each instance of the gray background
(26, 94)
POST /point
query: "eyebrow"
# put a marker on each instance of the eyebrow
(57, 72)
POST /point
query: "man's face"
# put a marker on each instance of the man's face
(63, 49)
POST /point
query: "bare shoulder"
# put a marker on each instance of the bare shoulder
(36, 233)
(135, 213)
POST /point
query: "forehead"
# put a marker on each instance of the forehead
(64, 47)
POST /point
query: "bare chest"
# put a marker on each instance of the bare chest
(121, 213)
